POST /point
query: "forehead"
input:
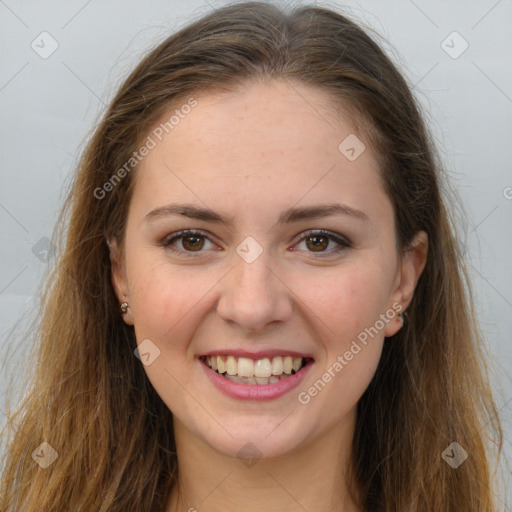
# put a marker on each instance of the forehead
(298, 113)
(284, 142)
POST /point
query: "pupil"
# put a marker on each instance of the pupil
(196, 241)
(316, 241)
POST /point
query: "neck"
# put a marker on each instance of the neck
(310, 478)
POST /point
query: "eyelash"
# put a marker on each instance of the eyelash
(343, 242)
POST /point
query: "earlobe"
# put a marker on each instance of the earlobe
(412, 265)
(119, 281)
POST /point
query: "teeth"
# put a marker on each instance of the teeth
(221, 367)
(287, 365)
(261, 371)
(231, 366)
(263, 368)
(254, 380)
(277, 365)
(245, 367)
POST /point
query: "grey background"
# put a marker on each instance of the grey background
(49, 105)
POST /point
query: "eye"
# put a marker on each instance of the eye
(191, 242)
(317, 241)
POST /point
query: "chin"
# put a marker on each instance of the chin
(252, 438)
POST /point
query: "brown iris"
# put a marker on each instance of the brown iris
(197, 242)
(320, 242)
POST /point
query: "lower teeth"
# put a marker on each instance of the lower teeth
(254, 380)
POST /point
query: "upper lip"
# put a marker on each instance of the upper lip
(259, 354)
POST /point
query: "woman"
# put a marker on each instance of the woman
(260, 301)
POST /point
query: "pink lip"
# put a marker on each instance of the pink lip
(255, 392)
(260, 354)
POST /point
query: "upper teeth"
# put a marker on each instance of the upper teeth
(245, 367)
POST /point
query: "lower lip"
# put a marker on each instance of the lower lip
(256, 392)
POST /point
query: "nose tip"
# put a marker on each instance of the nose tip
(253, 295)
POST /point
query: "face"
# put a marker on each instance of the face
(265, 275)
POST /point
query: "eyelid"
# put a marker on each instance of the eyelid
(183, 232)
(168, 240)
(342, 241)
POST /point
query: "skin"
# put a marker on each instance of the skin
(250, 155)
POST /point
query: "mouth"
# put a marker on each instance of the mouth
(245, 370)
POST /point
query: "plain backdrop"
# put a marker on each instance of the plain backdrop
(61, 63)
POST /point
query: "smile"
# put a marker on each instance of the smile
(244, 370)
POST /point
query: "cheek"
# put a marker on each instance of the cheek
(168, 300)
(348, 299)
(348, 307)
(342, 382)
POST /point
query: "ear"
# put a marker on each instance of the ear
(119, 281)
(412, 265)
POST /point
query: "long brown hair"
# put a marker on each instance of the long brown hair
(90, 398)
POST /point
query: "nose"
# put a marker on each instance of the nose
(254, 295)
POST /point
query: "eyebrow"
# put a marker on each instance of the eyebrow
(287, 216)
